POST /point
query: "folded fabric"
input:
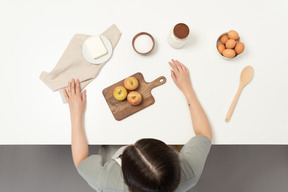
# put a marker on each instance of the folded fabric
(72, 64)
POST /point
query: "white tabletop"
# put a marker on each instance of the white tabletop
(34, 34)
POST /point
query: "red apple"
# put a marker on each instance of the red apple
(120, 93)
(131, 83)
(134, 98)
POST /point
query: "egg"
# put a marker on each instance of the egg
(233, 35)
(230, 44)
(221, 48)
(239, 47)
(229, 53)
(224, 38)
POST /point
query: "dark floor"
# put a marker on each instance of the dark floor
(228, 168)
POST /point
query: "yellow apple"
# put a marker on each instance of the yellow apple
(131, 83)
(134, 98)
(120, 93)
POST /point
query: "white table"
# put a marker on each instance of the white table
(34, 34)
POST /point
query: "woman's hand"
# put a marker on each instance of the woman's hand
(75, 99)
(181, 77)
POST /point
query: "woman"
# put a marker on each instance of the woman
(149, 165)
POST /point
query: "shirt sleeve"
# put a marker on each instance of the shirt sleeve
(90, 169)
(194, 153)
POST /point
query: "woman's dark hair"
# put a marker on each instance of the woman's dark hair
(151, 166)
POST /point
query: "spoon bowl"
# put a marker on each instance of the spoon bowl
(246, 75)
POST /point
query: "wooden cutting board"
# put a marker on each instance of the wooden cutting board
(123, 109)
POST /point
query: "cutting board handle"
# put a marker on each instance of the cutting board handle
(157, 82)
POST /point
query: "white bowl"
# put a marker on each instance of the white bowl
(218, 42)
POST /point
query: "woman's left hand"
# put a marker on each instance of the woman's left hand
(75, 99)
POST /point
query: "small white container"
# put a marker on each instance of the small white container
(178, 35)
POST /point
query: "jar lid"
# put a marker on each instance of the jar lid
(181, 30)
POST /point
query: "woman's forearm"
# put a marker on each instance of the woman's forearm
(77, 103)
(181, 77)
(200, 121)
(79, 144)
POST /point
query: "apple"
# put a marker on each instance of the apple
(134, 98)
(120, 93)
(131, 83)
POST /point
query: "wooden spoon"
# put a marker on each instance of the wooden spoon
(246, 76)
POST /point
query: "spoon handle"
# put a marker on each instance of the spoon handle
(233, 104)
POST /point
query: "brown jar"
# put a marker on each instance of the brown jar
(178, 35)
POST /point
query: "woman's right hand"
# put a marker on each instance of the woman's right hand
(181, 77)
(75, 99)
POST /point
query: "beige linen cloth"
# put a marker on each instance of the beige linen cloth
(72, 64)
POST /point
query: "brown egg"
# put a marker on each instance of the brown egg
(224, 38)
(239, 47)
(233, 35)
(230, 44)
(229, 53)
(221, 48)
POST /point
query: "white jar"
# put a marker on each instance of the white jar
(178, 35)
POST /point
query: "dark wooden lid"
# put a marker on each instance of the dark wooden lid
(181, 30)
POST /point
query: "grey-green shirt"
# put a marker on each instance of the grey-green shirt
(107, 176)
